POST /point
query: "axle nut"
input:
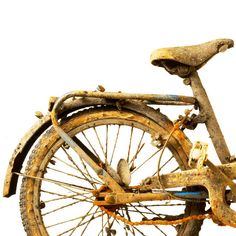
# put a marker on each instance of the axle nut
(110, 199)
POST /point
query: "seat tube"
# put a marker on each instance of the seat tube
(210, 120)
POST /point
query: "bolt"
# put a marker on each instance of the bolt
(110, 199)
(187, 81)
(100, 88)
(51, 103)
(38, 114)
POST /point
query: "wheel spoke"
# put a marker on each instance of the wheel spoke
(64, 162)
(99, 141)
(163, 165)
(177, 168)
(70, 159)
(130, 142)
(58, 183)
(66, 221)
(89, 221)
(78, 168)
(70, 229)
(91, 146)
(109, 229)
(145, 217)
(138, 230)
(60, 208)
(132, 166)
(73, 196)
(75, 176)
(81, 221)
(148, 159)
(84, 165)
(102, 224)
(62, 195)
(115, 144)
(139, 148)
(144, 212)
(129, 218)
(106, 150)
(125, 225)
(72, 166)
(127, 213)
(151, 211)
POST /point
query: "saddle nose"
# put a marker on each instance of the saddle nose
(188, 57)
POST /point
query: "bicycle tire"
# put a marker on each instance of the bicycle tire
(42, 161)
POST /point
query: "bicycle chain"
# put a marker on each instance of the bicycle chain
(156, 222)
(166, 222)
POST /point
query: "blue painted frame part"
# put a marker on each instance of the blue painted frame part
(191, 194)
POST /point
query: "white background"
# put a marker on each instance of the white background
(52, 47)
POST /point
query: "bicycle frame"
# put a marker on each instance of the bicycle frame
(206, 113)
(208, 117)
(215, 179)
(77, 117)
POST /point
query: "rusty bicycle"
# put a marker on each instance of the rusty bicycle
(110, 163)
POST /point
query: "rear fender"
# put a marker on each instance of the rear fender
(29, 139)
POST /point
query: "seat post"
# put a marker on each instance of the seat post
(209, 118)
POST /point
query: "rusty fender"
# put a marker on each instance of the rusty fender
(71, 105)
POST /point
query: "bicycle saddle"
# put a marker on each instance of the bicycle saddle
(183, 60)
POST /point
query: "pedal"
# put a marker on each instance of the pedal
(198, 155)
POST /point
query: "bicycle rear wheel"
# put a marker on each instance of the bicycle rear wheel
(57, 197)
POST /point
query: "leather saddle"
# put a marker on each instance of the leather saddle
(184, 60)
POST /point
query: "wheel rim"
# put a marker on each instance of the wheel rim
(66, 207)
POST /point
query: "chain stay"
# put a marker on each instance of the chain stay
(149, 222)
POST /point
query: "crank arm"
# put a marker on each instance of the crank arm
(206, 177)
